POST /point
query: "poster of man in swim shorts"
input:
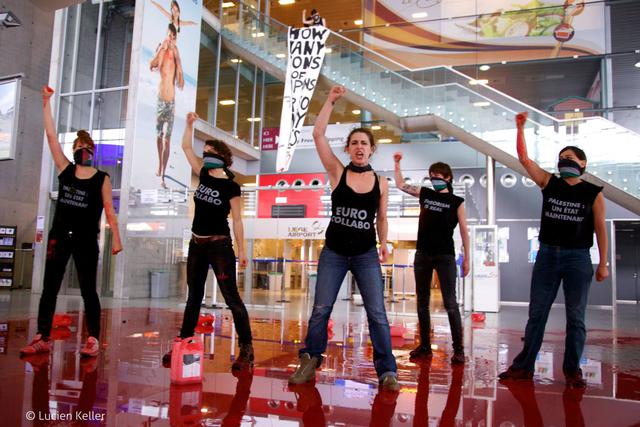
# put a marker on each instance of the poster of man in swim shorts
(168, 71)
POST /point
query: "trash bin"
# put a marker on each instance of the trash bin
(313, 279)
(275, 281)
(159, 283)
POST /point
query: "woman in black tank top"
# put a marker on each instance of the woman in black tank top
(358, 199)
(216, 196)
(440, 213)
(572, 209)
(83, 193)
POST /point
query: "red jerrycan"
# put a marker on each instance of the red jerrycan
(187, 357)
(61, 320)
(185, 404)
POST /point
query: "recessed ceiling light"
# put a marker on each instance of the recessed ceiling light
(481, 104)
(358, 22)
(286, 2)
(227, 4)
(503, 62)
(485, 67)
(418, 15)
(253, 119)
(236, 60)
(376, 127)
(355, 111)
(256, 35)
(384, 141)
(479, 82)
(281, 55)
(328, 50)
(227, 102)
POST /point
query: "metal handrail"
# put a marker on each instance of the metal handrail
(526, 107)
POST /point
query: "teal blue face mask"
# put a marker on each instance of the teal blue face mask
(213, 161)
(439, 184)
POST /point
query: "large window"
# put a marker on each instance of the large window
(95, 76)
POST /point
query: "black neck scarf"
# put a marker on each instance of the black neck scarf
(359, 169)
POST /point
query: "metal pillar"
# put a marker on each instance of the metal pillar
(491, 191)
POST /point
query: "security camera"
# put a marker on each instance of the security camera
(8, 19)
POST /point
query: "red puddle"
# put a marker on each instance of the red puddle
(126, 385)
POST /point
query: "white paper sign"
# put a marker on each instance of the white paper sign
(306, 52)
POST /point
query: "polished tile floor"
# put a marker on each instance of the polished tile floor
(126, 385)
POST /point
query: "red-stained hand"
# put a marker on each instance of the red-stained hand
(397, 157)
(521, 119)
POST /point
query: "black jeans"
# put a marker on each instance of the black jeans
(220, 256)
(445, 266)
(84, 249)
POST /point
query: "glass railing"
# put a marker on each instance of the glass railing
(472, 105)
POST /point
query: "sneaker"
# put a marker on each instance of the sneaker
(458, 358)
(91, 348)
(421, 352)
(512, 374)
(38, 345)
(575, 380)
(390, 383)
(245, 358)
(37, 361)
(306, 370)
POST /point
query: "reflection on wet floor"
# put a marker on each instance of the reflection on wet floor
(126, 385)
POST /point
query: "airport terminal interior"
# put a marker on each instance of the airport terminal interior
(257, 200)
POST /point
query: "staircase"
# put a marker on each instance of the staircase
(444, 100)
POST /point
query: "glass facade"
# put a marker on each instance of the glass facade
(240, 99)
(92, 95)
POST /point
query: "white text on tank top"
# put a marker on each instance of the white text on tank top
(351, 217)
(434, 205)
(73, 197)
(208, 195)
(563, 210)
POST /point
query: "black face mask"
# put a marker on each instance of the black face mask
(569, 168)
(359, 169)
(83, 157)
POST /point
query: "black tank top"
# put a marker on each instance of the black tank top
(567, 214)
(351, 231)
(79, 204)
(212, 205)
(438, 219)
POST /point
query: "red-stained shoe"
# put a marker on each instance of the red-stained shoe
(91, 348)
(38, 345)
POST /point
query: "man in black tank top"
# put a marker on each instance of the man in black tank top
(572, 209)
(83, 192)
(358, 201)
(440, 213)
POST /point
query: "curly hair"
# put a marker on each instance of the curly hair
(222, 149)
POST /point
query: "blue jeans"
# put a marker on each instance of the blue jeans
(553, 265)
(332, 268)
